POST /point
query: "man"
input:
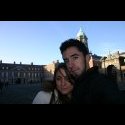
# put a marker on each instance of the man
(90, 86)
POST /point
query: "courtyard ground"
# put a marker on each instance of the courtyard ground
(19, 93)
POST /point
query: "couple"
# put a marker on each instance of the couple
(76, 83)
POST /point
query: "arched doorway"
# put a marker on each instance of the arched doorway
(112, 73)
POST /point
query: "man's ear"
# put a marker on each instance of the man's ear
(89, 61)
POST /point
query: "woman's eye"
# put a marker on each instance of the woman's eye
(58, 78)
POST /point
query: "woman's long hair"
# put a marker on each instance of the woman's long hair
(62, 99)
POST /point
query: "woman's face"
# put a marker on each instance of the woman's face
(62, 82)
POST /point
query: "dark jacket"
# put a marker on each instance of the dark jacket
(94, 88)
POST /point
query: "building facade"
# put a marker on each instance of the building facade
(49, 70)
(116, 59)
(20, 73)
(26, 74)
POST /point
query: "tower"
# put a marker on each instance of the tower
(82, 37)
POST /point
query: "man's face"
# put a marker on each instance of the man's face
(75, 61)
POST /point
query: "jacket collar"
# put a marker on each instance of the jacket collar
(87, 74)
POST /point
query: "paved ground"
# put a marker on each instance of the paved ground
(19, 94)
(122, 86)
(24, 94)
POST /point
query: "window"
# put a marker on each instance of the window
(29, 75)
(124, 75)
(2, 74)
(124, 60)
(12, 74)
(24, 74)
(35, 75)
(18, 74)
(32, 74)
(6, 74)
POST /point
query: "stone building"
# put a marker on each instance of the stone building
(26, 74)
(118, 61)
(20, 73)
(49, 70)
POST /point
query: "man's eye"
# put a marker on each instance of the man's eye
(75, 58)
(66, 61)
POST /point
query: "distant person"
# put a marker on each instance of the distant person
(59, 91)
(90, 86)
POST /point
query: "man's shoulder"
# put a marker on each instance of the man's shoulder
(100, 78)
(97, 76)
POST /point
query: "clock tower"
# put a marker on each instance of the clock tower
(82, 37)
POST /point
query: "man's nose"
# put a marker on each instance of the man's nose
(70, 65)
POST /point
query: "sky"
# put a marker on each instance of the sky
(39, 41)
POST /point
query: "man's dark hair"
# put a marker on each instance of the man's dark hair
(74, 43)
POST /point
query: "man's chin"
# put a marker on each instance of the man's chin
(75, 75)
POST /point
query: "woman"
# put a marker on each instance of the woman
(61, 89)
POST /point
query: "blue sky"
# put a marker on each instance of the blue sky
(39, 41)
